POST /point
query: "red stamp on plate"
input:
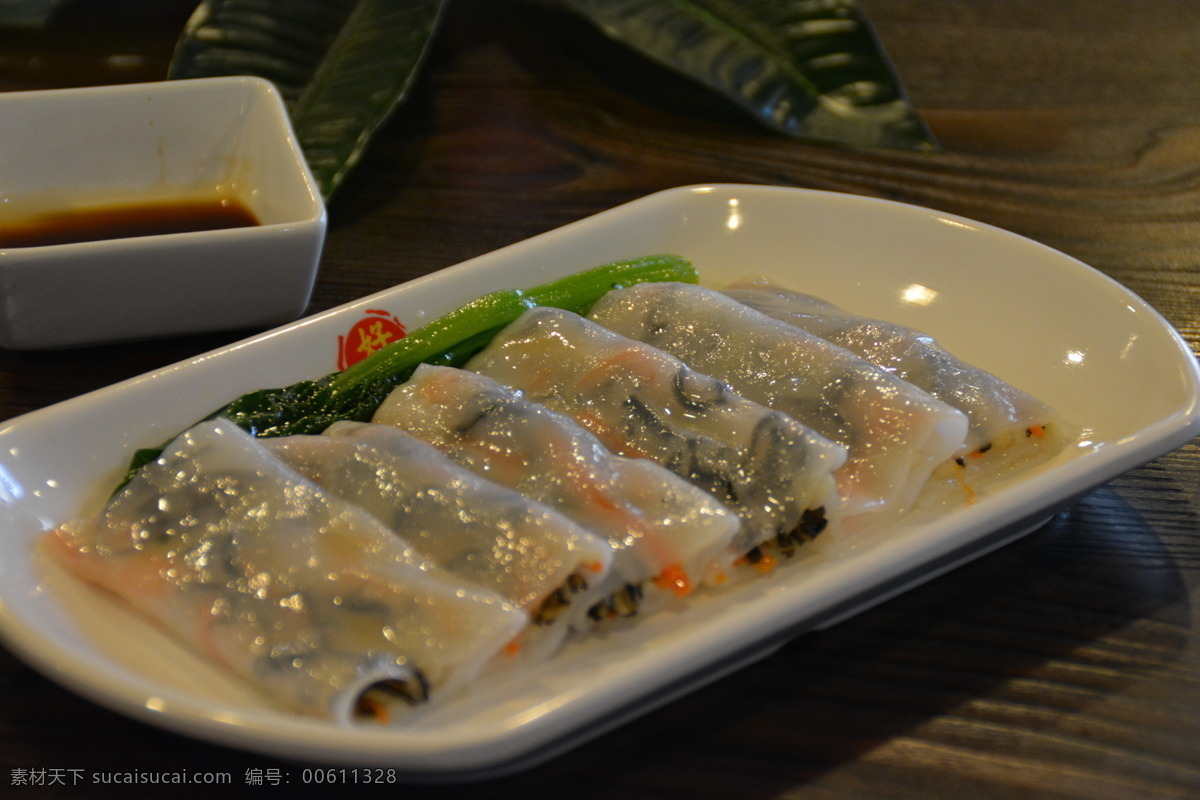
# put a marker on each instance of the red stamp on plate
(374, 331)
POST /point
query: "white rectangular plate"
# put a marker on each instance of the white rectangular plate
(1043, 321)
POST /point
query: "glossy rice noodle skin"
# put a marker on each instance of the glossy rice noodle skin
(470, 527)
(896, 434)
(308, 600)
(666, 535)
(641, 402)
(1007, 426)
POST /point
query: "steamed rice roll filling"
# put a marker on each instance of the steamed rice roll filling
(895, 433)
(1008, 427)
(305, 598)
(667, 536)
(472, 528)
(639, 401)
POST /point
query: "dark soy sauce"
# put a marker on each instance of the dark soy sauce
(127, 221)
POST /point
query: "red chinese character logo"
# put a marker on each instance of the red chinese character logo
(376, 330)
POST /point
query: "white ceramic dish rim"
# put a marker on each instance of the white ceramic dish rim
(594, 685)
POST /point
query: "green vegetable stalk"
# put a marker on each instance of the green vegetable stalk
(311, 406)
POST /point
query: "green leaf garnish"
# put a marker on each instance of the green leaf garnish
(807, 68)
(342, 66)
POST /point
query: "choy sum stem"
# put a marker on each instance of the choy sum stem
(310, 406)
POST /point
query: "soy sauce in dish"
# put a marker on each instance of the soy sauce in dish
(126, 221)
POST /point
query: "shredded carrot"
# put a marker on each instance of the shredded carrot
(609, 436)
(766, 564)
(501, 459)
(758, 559)
(593, 495)
(204, 636)
(374, 709)
(435, 388)
(962, 481)
(513, 648)
(676, 579)
(629, 361)
(1036, 431)
(146, 576)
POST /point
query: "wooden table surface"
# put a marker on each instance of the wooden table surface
(1066, 665)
